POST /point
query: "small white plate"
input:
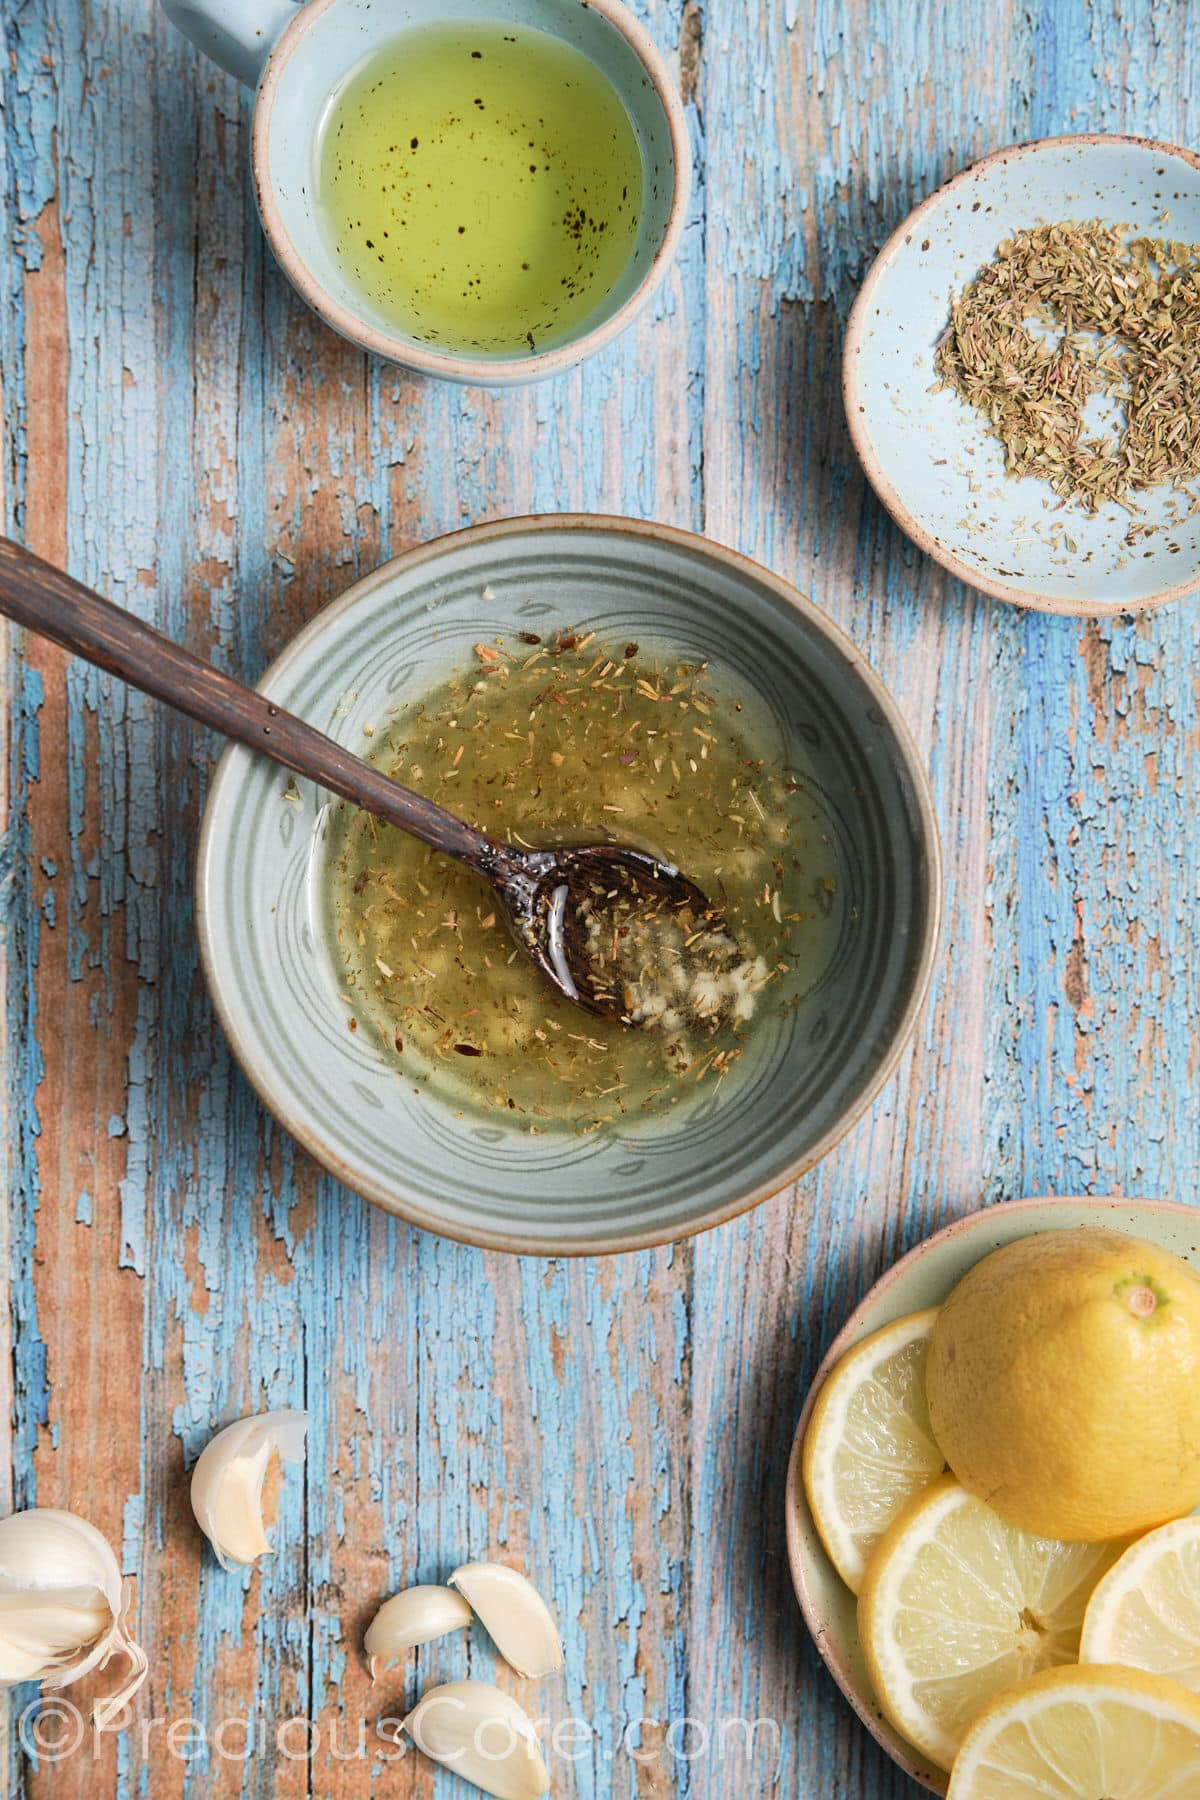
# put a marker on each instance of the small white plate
(924, 1278)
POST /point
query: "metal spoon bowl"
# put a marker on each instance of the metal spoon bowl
(544, 893)
(551, 894)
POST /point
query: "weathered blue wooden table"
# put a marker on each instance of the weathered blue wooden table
(180, 432)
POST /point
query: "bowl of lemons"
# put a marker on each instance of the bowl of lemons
(992, 1499)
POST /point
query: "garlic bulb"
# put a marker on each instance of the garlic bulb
(63, 1606)
(513, 1614)
(227, 1482)
(482, 1735)
(416, 1616)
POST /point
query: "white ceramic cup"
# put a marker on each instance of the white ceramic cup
(298, 55)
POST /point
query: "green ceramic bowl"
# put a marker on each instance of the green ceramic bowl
(922, 1279)
(810, 1071)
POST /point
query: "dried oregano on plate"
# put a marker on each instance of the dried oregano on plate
(1067, 311)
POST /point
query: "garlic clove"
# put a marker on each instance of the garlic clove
(39, 1632)
(513, 1614)
(483, 1735)
(87, 1601)
(64, 1607)
(227, 1482)
(416, 1616)
(235, 1523)
(20, 1662)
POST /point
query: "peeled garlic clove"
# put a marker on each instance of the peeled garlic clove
(513, 1614)
(482, 1735)
(227, 1482)
(64, 1606)
(416, 1616)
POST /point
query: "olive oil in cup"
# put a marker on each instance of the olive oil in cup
(481, 186)
(591, 67)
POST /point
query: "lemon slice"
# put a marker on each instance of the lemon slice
(957, 1605)
(868, 1447)
(1146, 1611)
(1075, 1734)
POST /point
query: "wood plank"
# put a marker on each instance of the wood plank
(1013, 715)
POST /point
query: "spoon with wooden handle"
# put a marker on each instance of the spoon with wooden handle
(552, 898)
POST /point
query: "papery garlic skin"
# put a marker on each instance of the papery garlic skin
(63, 1606)
(227, 1482)
(415, 1616)
(514, 1615)
(483, 1735)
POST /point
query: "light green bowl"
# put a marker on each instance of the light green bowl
(811, 1070)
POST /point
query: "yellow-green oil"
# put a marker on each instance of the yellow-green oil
(557, 742)
(480, 186)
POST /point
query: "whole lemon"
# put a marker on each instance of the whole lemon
(1064, 1384)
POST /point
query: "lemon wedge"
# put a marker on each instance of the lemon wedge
(958, 1605)
(868, 1447)
(1146, 1611)
(1075, 1734)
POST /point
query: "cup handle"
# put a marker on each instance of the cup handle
(237, 34)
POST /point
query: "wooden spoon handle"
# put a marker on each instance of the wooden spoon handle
(43, 599)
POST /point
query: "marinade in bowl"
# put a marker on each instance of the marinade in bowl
(572, 738)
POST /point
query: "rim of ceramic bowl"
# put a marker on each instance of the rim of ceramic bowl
(407, 1202)
(473, 371)
(847, 1337)
(857, 415)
